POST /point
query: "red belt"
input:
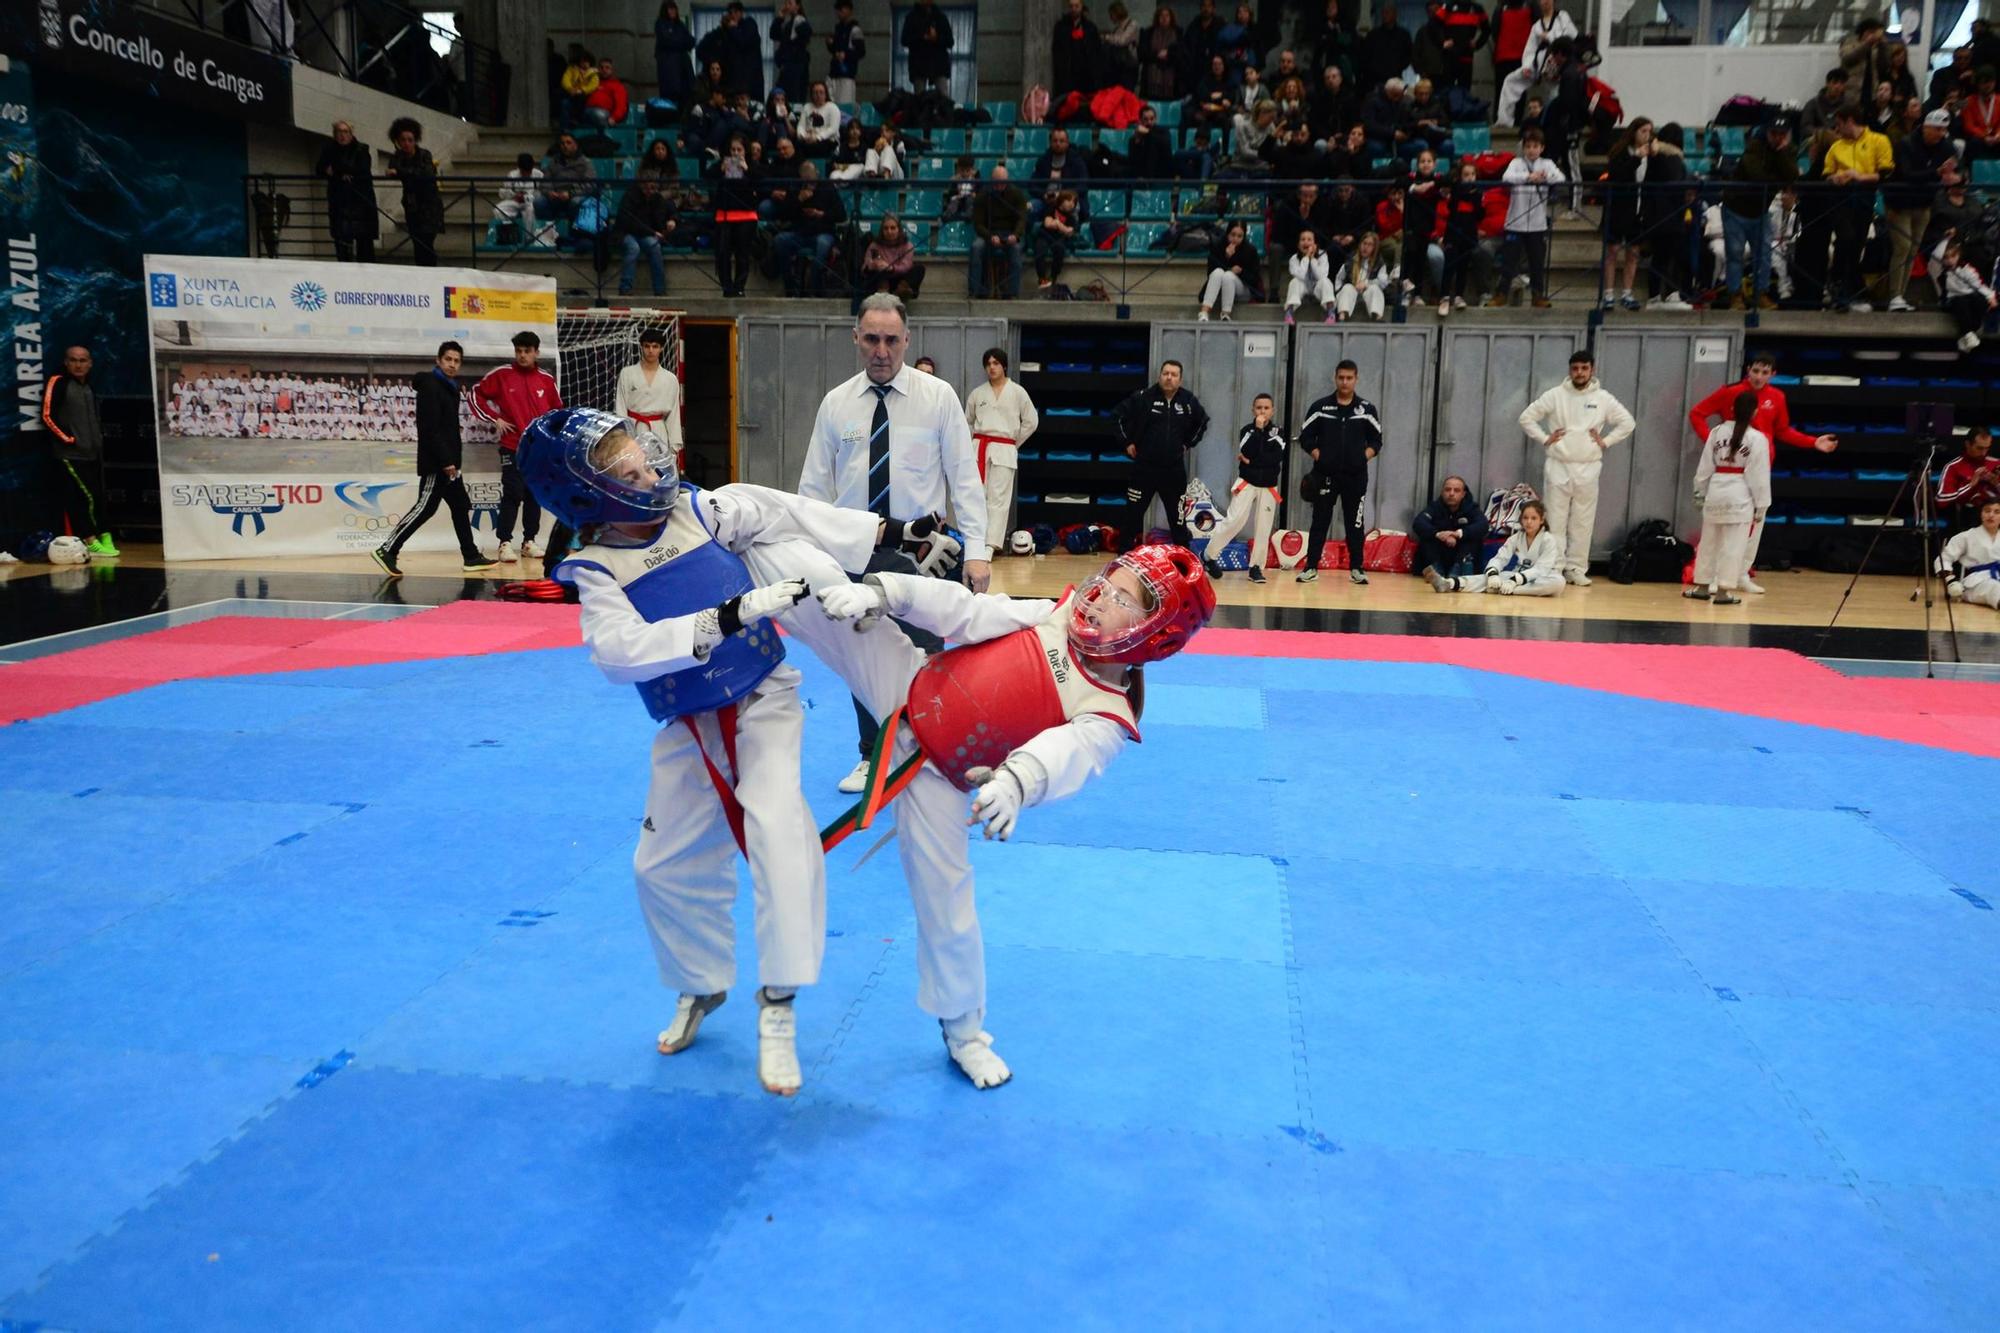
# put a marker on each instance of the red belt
(985, 440)
(648, 417)
(1736, 471)
(732, 808)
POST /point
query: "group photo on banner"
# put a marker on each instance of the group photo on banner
(285, 402)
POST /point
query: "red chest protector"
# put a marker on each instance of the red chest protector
(972, 706)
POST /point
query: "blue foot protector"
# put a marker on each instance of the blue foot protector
(1094, 1039)
(88, 1132)
(1745, 845)
(1109, 901)
(384, 1200)
(1063, 1227)
(1421, 1240)
(1567, 930)
(1562, 1073)
(1905, 1093)
(1830, 943)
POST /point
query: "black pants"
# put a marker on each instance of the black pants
(1851, 216)
(514, 498)
(78, 486)
(361, 248)
(1969, 313)
(887, 559)
(1167, 483)
(423, 250)
(560, 538)
(732, 255)
(1532, 249)
(433, 489)
(1350, 492)
(1818, 217)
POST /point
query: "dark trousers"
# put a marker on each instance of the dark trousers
(514, 498)
(1969, 313)
(561, 538)
(1529, 248)
(887, 559)
(1167, 483)
(1852, 213)
(1350, 492)
(433, 489)
(423, 250)
(1464, 558)
(732, 255)
(361, 248)
(1817, 218)
(74, 479)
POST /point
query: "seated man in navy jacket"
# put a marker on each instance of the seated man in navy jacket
(1451, 533)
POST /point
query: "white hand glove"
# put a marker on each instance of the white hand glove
(861, 603)
(934, 554)
(770, 600)
(997, 803)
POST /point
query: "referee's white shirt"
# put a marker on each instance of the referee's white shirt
(933, 467)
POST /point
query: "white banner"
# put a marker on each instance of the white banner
(284, 397)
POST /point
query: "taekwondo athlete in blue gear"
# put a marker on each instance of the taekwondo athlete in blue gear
(676, 585)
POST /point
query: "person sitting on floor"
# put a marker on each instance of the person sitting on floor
(1451, 534)
(1529, 565)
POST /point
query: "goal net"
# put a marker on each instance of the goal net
(592, 346)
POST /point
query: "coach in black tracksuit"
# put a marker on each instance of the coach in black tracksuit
(1342, 433)
(439, 455)
(1159, 425)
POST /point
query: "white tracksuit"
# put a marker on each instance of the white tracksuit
(1541, 36)
(1254, 505)
(1734, 487)
(685, 866)
(1001, 423)
(879, 665)
(1311, 276)
(1571, 464)
(1521, 567)
(1365, 282)
(1978, 555)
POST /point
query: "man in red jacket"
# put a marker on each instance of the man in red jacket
(512, 396)
(610, 101)
(1970, 481)
(1773, 417)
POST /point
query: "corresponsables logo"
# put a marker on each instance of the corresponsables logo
(309, 296)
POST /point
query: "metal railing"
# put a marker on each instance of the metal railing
(379, 43)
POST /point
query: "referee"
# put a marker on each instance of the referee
(439, 454)
(895, 441)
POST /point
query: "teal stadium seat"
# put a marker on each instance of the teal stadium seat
(1003, 113)
(1032, 140)
(1986, 171)
(922, 203)
(955, 238)
(947, 141)
(1107, 205)
(1118, 141)
(1729, 139)
(1152, 205)
(1142, 240)
(933, 168)
(875, 202)
(991, 139)
(1170, 113)
(1470, 139)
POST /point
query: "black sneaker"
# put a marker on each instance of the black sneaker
(478, 564)
(382, 557)
(1214, 568)
(1256, 574)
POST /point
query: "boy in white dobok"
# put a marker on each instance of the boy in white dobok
(1528, 564)
(1970, 561)
(1733, 484)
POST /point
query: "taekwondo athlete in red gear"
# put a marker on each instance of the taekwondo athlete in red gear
(1037, 698)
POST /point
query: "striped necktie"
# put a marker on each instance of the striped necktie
(878, 453)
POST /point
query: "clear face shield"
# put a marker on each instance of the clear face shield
(1115, 611)
(634, 469)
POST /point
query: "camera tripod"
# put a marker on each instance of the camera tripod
(1923, 509)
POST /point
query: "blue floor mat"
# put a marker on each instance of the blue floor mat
(1361, 994)
(551, 1200)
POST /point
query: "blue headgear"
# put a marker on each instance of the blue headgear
(555, 462)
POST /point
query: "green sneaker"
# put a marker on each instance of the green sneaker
(102, 545)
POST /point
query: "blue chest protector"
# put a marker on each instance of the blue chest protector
(681, 571)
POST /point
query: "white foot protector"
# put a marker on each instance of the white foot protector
(687, 1021)
(857, 780)
(777, 1046)
(975, 1058)
(1749, 585)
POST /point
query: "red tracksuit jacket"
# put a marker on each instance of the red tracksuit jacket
(512, 398)
(1773, 417)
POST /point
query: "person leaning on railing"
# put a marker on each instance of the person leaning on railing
(1924, 161)
(1766, 167)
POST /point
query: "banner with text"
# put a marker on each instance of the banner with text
(285, 397)
(125, 46)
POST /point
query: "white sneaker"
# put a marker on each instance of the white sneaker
(1458, 303)
(1201, 316)
(1672, 301)
(1860, 307)
(1900, 304)
(1970, 342)
(687, 1021)
(857, 781)
(1576, 578)
(1747, 584)
(777, 1046)
(533, 549)
(1444, 307)
(976, 1060)
(1227, 318)
(507, 555)
(9, 558)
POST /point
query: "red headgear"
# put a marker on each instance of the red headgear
(1179, 597)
